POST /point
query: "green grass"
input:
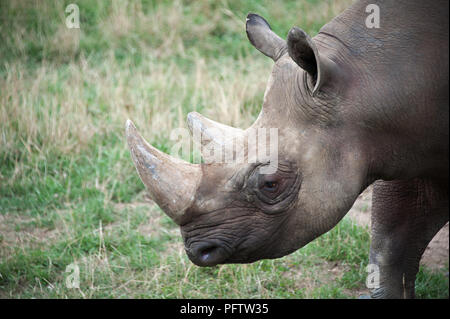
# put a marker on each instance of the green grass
(68, 190)
(122, 262)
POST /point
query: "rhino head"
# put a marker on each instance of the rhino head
(240, 212)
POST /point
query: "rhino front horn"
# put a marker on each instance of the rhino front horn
(171, 182)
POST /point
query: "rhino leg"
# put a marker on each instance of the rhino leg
(405, 217)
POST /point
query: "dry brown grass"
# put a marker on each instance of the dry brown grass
(50, 108)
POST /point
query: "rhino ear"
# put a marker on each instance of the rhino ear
(263, 38)
(303, 51)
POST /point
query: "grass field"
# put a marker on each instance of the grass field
(69, 193)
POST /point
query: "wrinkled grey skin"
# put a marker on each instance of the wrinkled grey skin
(353, 106)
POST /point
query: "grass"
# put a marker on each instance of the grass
(69, 193)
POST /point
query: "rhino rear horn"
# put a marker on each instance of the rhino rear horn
(263, 38)
(171, 183)
(212, 135)
(303, 51)
(211, 131)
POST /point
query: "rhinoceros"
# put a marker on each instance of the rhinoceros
(355, 105)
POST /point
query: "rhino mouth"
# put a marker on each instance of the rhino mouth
(207, 254)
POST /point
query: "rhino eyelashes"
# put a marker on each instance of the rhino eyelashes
(283, 200)
(247, 184)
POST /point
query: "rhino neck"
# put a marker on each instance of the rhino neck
(397, 88)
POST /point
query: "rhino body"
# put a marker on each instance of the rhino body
(353, 106)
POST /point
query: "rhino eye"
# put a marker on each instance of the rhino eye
(274, 192)
(270, 186)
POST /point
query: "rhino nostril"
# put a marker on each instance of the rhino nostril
(207, 252)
